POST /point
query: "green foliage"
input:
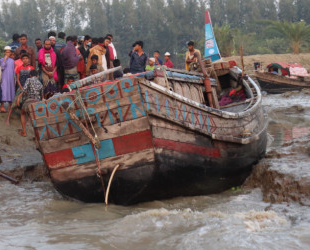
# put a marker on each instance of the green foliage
(2, 45)
(296, 33)
(224, 37)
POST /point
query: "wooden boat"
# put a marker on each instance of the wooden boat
(157, 129)
(282, 80)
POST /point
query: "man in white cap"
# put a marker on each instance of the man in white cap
(151, 64)
(168, 62)
(8, 81)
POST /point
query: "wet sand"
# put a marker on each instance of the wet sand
(19, 156)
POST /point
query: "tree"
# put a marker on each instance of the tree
(297, 33)
(224, 38)
(287, 10)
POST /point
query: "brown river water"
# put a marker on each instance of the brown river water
(35, 216)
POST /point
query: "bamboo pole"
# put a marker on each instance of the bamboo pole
(92, 78)
(13, 180)
(242, 63)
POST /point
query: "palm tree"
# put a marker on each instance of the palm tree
(296, 33)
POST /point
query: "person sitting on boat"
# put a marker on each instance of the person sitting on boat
(33, 91)
(93, 69)
(119, 73)
(151, 64)
(97, 79)
(190, 55)
(94, 60)
(156, 55)
(66, 87)
(168, 62)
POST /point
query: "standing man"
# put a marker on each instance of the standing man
(138, 59)
(61, 41)
(15, 44)
(189, 56)
(168, 62)
(158, 61)
(108, 52)
(47, 60)
(70, 59)
(38, 44)
(7, 81)
(84, 48)
(60, 68)
(112, 45)
(30, 50)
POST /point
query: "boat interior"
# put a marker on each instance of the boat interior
(230, 90)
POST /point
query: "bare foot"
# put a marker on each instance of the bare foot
(22, 133)
(2, 110)
(7, 123)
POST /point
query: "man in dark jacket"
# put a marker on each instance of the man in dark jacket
(138, 59)
(84, 48)
(70, 59)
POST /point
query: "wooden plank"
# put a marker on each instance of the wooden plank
(196, 95)
(180, 135)
(77, 139)
(92, 96)
(177, 87)
(93, 109)
(186, 72)
(109, 117)
(126, 161)
(187, 148)
(84, 154)
(186, 91)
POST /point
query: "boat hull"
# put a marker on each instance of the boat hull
(175, 171)
(165, 144)
(273, 84)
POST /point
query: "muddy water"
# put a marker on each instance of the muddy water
(35, 216)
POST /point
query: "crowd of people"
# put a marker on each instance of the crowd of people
(30, 74)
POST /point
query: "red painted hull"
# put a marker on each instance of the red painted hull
(177, 170)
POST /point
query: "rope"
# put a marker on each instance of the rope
(85, 111)
(109, 184)
(99, 174)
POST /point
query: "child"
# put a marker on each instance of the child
(23, 71)
(66, 87)
(94, 70)
(151, 65)
(19, 61)
(33, 92)
(94, 60)
(118, 73)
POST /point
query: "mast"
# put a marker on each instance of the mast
(211, 48)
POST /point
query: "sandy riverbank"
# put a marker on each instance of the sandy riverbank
(303, 59)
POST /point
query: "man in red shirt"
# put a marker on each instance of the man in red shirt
(168, 63)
